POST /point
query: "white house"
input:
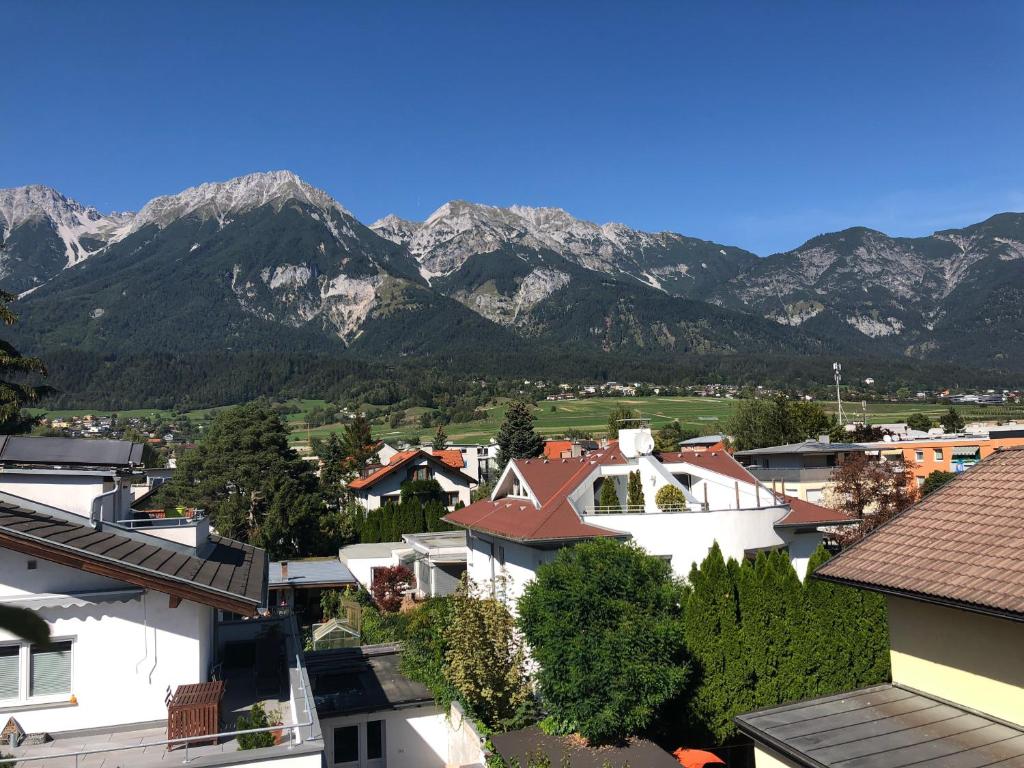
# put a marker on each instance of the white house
(541, 505)
(438, 560)
(136, 608)
(382, 484)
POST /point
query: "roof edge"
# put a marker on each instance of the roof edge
(922, 597)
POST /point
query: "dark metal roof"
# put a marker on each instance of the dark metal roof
(229, 574)
(366, 679)
(312, 572)
(808, 446)
(64, 451)
(523, 744)
(885, 727)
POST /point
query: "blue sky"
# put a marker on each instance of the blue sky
(758, 125)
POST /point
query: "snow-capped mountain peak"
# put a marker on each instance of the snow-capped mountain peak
(223, 199)
(80, 229)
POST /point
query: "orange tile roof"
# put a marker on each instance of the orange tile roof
(450, 456)
(400, 459)
(553, 449)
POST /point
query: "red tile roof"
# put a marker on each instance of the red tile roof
(962, 545)
(450, 456)
(717, 461)
(401, 459)
(553, 449)
(808, 513)
(555, 519)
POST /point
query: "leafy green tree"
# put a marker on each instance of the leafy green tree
(722, 687)
(779, 421)
(440, 441)
(919, 422)
(516, 436)
(621, 413)
(609, 494)
(485, 660)
(952, 421)
(252, 484)
(395, 419)
(634, 490)
(604, 622)
(426, 646)
(671, 435)
(15, 394)
(935, 480)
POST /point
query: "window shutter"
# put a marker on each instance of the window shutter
(51, 669)
(10, 663)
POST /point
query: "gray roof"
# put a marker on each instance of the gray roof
(63, 451)
(884, 727)
(375, 550)
(438, 540)
(229, 574)
(808, 446)
(312, 573)
(704, 440)
(365, 679)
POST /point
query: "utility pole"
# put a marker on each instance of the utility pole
(837, 369)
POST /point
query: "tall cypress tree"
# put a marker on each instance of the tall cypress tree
(609, 494)
(516, 436)
(712, 634)
(634, 490)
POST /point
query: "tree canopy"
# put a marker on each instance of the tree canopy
(872, 491)
(936, 480)
(604, 623)
(253, 485)
(919, 422)
(618, 415)
(15, 368)
(671, 435)
(952, 421)
(516, 436)
(779, 421)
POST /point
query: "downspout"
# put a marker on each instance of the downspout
(96, 512)
(145, 634)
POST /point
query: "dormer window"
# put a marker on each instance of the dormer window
(517, 487)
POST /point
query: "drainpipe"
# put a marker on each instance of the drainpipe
(96, 510)
(145, 634)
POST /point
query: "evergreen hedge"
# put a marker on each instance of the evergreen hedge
(390, 522)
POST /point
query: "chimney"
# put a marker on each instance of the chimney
(284, 570)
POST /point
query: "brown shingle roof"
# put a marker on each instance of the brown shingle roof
(808, 513)
(963, 544)
(231, 575)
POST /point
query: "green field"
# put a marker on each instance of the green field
(703, 414)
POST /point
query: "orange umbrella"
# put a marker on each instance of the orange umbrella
(696, 758)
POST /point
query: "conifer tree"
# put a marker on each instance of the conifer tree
(440, 441)
(516, 436)
(634, 490)
(712, 633)
(609, 494)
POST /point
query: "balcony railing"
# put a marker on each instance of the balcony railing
(792, 475)
(633, 509)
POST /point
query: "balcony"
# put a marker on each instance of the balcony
(792, 475)
(277, 680)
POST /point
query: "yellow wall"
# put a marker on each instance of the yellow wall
(969, 659)
(769, 758)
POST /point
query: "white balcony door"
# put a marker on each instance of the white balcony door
(360, 745)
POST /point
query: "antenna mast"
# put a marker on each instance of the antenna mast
(837, 369)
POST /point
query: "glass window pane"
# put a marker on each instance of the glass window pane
(346, 744)
(51, 669)
(374, 739)
(10, 668)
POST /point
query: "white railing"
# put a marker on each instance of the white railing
(637, 509)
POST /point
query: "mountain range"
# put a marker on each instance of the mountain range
(267, 262)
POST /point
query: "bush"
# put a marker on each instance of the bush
(668, 496)
(257, 718)
(389, 586)
(605, 624)
(425, 646)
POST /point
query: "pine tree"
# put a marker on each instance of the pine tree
(15, 394)
(634, 491)
(609, 494)
(516, 437)
(440, 441)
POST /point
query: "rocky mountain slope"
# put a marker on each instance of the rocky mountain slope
(266, 261)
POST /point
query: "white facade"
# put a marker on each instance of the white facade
(123, 655)
(80, 491)
(389, 487)
(414, 737)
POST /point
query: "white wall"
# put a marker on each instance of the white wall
(521, 563)
(688, 536)
(371, 497)
(362, 567)
(124, 654)
(801, 547)
(413, 738)
(73, 493)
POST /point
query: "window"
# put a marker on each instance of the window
(517, 486)
(29, 672)
(51, 669)
(919, 480)
(374, 739)
(10, 672)
(453, 498)
(346, 744)
(918, 456)
(937, 454)
(815, 495)
(421, 473)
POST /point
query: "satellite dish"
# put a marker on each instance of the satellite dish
(644, 442)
